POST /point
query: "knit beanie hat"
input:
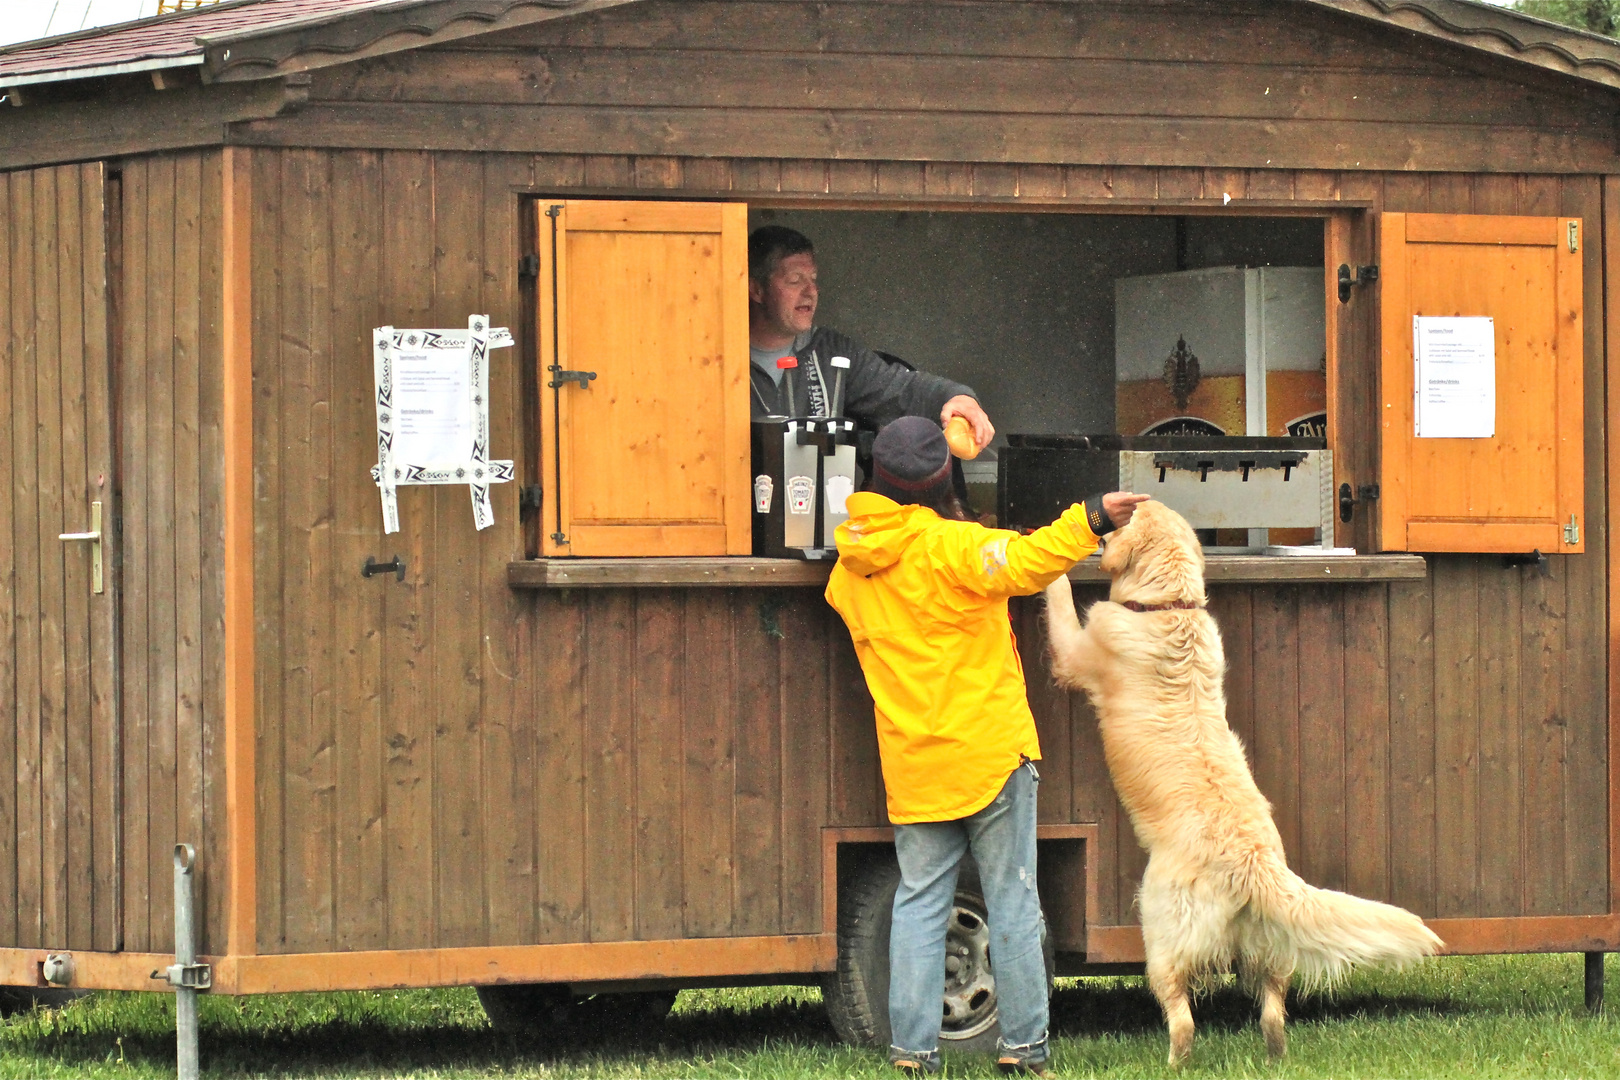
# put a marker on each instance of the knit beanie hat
(910, 461)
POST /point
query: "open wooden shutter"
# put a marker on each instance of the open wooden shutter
(649, 457)
(1519, 489)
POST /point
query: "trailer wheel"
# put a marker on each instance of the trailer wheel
(538, 1008)
(857, 993)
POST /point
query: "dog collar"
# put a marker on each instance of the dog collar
(1174, 605)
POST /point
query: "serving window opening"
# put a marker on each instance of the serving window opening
(1108, 350)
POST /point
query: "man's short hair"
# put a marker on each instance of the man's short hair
(768, 245)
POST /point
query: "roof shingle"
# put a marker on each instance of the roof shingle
(166, 40)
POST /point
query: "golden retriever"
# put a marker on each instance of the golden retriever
(1217, 892)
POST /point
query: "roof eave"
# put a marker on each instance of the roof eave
(129, 67)
(307, 44)
(1586, 56)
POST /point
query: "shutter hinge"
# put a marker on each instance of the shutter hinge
(529, 266)
(1574, 235)
(1572, 531)
(1364, 493)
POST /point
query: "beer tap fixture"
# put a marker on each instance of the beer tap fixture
(840, 365)
(786, 365)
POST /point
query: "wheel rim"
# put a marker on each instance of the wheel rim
(970, 987)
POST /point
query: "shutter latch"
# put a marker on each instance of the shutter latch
(1572, 531)
(1364, 275)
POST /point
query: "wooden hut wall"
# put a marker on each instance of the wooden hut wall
(445, 761)
(111, 382)
(58, 844)
(169, 399)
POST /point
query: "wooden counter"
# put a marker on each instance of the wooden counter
(745, 570)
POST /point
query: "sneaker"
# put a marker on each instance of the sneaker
(1011, 1066)
(909, 1068)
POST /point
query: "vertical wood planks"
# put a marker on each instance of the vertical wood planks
(509, 794)
(457, 668)
(764, 657)
(161, 622)
(213, 828)
(306, 611)
(186, 526)
(806, 624)
(1325, 816)
(49, 522)
(708, 762)
(1367, 822)
(657, 667)
(1277, 694)
(12, 339)
(610, 764)
(558, 648)
(25, 538)
(1411, 745)
(410, 704)
(1456, 723)
(265, 245)
(133, 477)
(1585, 674)
(358, 748)
(1050, 705)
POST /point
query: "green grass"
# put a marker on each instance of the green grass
(1473, 1017)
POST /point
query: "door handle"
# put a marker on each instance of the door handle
(94, 537)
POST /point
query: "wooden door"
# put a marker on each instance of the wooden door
(58, 700)
(1520, 488)
(649, 456)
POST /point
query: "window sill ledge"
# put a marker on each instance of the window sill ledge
(742, 570)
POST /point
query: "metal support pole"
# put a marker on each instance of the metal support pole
(185, 957)
(1594, 982)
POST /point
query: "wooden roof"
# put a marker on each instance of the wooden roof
(1439, 85)
(254, 39)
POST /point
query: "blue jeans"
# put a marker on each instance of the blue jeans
(1002, 839)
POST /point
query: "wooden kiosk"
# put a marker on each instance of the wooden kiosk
(510, 764)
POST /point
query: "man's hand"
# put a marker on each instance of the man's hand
(969, 409)
(1120, 505)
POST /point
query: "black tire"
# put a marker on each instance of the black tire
(857, 993)
(545, 1008)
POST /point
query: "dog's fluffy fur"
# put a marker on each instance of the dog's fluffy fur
(1217, 892)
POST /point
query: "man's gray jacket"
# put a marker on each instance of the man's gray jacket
(875, 390)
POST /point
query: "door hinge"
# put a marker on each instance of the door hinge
(1574, 235)
(1572, 531)
(529, 266)
(1364, 275)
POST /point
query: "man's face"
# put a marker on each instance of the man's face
(788, 299)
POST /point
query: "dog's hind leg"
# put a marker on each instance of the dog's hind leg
(1169, 985)
(1273, 1014)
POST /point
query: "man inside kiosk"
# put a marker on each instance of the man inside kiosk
(782, 298)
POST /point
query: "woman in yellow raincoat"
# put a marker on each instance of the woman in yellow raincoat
(924, 595)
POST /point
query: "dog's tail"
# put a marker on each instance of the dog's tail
(1322, 934)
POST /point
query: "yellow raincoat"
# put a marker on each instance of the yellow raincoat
(925, 599)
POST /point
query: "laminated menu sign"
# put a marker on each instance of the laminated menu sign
(1454, 377)
(433, 413)
(432, 408)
